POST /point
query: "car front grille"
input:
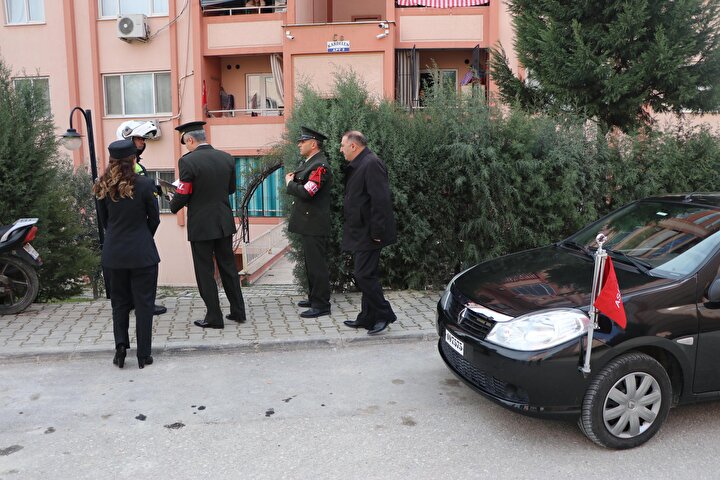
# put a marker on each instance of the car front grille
(476, 324)
(481, 379)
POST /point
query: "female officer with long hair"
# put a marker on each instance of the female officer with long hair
(128, 210)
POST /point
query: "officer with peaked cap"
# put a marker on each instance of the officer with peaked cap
(207, 179)
(310, 185)
(128, 210)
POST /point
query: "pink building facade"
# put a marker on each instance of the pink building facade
(235, 66)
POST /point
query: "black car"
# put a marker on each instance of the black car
(515, 328)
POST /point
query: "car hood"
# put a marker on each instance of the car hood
(548, 277)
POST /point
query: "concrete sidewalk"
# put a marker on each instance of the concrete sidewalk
(81, 328)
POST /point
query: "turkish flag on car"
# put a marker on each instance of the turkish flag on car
(609, 301)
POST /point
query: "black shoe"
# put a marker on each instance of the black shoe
(159, 310)
(236, 318)
(304, 304)
(315, 312)
(356, 324)
(379, 327)
(119, 359)
(142, 361)
(204, 324)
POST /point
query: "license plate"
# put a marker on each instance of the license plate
(454, 342)
(29, 249)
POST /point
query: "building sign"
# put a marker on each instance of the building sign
(338, 46)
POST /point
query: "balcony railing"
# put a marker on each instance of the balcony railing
(248, 112)
(219, 9)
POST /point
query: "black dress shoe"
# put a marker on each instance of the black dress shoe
(236, 318)
(159, 310)
(379, 327)
(142, 361)
(204, 324)
(304, 304)
(119, 359)
(356, 324)
(315, 312)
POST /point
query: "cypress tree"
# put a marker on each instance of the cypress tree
(614, 61)
(36, 182)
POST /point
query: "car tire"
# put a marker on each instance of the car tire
(627, 402)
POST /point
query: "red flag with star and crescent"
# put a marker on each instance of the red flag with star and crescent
(609, 301)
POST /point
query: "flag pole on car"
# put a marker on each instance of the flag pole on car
(605, 297)
(600, 258)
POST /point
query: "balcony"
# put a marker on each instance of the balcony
(461, 26)
(228, 28)
(213, 8)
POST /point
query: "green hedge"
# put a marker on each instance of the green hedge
(471, 182)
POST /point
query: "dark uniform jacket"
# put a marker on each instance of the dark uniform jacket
(311, 189)
(367, 205)
(130, 224)
(212, 176)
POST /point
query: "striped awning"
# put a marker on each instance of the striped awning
(441, 3)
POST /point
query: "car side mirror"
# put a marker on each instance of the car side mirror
(714, 291)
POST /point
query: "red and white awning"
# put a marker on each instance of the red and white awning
(441, 3)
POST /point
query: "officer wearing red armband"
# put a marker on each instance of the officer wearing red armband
(207, 179)
(310, 185)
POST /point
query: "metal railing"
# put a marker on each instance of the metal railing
(248, 112)
(215, 11)
(260, 250)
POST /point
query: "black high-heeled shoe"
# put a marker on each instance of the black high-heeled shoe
(142, 361)
(119, 359)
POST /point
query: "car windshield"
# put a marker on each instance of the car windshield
(671, 239)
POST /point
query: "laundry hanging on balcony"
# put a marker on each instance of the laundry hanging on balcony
(441, 3)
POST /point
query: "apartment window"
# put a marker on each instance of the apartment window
(24, 11)
(114, 8)
(262, 94)
(266, 201)
(168, 176)
(137, 94)
(39, 85)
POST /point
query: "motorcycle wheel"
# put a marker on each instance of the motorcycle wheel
(19, 285)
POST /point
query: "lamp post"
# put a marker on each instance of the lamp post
(73, 141)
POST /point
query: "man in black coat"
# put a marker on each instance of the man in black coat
(207, 179)
(369, 225)
(310, 185)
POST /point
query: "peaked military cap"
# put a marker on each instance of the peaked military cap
(308, 134)
(188, 127)
(120, 149)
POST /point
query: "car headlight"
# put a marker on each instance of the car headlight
(540, 330)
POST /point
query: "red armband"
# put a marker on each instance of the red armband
(184, 188)
(311, 188)
(316, 176)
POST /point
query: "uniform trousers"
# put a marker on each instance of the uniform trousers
(133, 286)
(315, 252)
(221, 249)
(374, 306)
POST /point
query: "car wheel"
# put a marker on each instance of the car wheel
(627, 402)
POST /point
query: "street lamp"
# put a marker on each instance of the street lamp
(73, 141)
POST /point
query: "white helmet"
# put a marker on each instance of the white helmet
(137, 128)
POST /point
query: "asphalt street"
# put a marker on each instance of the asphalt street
(362, 411)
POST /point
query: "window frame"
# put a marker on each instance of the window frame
(163, 203)
(32, 80)
(263, 110)
(27, 14)
(152, 13)
(154, 113)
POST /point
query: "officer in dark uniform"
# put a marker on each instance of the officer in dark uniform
(311, 186)
(207, 179)
(128, 210)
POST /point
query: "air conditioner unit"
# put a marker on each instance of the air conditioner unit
(132, 27)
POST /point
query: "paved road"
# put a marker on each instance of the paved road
(358, 412)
